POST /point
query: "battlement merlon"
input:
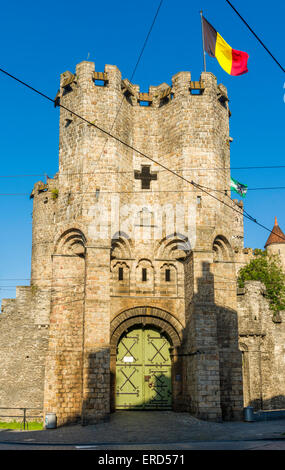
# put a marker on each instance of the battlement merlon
(41, 187)
(181, 84)
(185, 123)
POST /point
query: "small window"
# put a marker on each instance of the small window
(100, 82)
(167, 275)
(196, 92)
(144, 276)
(166, 100)
(145, 103)
(66, 89)
(128, 96)
(121, 274)
(68, 122)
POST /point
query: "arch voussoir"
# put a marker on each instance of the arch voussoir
(157, 317)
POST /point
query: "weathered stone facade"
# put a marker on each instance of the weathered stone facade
(23, 349)
(262, 342)
(98, 271)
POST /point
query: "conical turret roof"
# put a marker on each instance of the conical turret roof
(276, 236)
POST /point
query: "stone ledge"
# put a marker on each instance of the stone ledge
(268, 415)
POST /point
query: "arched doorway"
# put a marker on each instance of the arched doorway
(135, 328)
(143, 370)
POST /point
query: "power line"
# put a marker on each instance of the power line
(159, 171)
(255, 35)
(248, 189)
(196, 185)
(146, 40)
(64, 288)
(56, 279)
(244, 213)
(21, 176)
(37, 279)
(134, 71)
(27, 85)
(222, 191)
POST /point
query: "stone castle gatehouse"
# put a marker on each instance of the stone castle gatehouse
(133, 301)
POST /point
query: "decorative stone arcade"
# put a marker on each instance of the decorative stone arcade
(121, 247)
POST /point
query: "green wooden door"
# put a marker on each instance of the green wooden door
(143, 370)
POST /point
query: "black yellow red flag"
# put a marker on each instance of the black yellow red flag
(234, 62)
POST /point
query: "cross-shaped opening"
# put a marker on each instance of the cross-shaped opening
(145, 176)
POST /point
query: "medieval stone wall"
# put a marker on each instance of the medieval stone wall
(184, 131)
(262, 342)
(23, 348)
(89, 254)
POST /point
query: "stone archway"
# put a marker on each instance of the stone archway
(153, 319)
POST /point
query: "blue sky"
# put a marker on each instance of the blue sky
(41, 40)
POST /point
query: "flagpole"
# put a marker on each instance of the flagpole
(204, 53)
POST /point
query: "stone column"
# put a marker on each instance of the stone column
(63, 369)
(96, 366)
(201, 348)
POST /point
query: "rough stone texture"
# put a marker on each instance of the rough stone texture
(84, 237)
(279, 250)
(262, 342)
(23, 348)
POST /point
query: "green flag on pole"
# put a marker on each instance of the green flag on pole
(239, 188)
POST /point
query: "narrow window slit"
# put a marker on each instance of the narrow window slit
(167, 275)
(121, 274)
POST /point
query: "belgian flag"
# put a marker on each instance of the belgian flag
(232, 61)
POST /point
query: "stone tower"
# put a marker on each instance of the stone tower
(120, 245)
(275, 243)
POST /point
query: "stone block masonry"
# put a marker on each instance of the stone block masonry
(23, 348)
(120, 243)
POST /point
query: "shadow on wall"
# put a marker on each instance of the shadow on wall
(209, 360)
(273, 403)
(133, 390)
(213, 363)
(143, 369)
(96, 387)
(156, 396)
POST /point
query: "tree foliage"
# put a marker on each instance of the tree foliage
(267, 269)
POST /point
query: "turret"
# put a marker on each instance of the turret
(276, 242)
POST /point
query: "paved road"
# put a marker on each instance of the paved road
(139, 430)
(192, 445)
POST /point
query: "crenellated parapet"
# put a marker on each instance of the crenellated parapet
(181, 84)
(182, 124)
